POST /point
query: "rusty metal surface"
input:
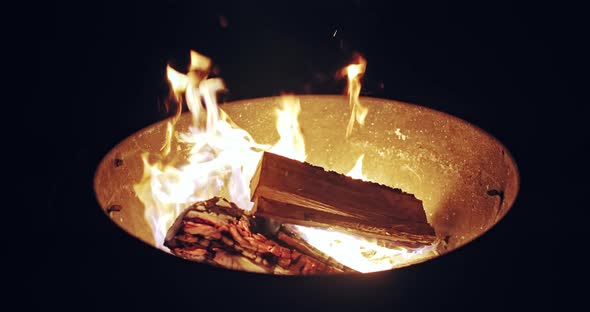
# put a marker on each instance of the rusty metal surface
(466, 178)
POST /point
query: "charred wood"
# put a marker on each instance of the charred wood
(218, 233)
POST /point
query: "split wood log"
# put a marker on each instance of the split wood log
(294, 192)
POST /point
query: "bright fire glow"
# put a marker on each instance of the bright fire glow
(221, 161)
(358, 253)
(222, 158)
(354, 72)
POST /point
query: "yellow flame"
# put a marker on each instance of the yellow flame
(354, 72)
(179, 83)
(199, 62)
(291, 143)
(165, 149)
(357, 171)
(177, 80)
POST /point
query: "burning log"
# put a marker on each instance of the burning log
(293, 192)
(217, 232)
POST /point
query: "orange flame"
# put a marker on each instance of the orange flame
(354, 72)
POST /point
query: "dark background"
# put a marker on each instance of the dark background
(514, 70)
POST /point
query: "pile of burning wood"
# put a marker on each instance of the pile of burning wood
(270, 230)
(218, 232)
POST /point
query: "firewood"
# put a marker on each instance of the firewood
(294, 192)
(217, 232)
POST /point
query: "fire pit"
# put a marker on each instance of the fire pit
(465, 179)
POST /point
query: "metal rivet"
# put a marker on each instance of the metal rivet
(447, 238)
(113, 208)
(118, 162)
(500, 194)
(495, 193)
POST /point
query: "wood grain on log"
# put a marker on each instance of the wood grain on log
(293, 192)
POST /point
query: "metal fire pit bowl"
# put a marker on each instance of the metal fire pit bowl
(466, 179)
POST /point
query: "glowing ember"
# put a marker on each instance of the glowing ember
(354, 72)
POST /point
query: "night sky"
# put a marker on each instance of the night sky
(513, 70)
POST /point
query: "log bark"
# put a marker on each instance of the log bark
(218, 233)
(293, 192)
